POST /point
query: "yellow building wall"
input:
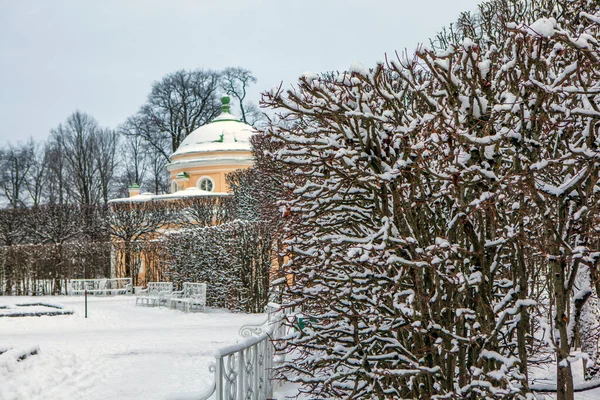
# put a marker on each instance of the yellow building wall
(215, 172)
(145, 262)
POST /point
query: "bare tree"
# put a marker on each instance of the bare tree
(82, 160)
(235, 82)
(142, 164)
(37, 174)
(106, 161)
(254, 116)
(143, 127)
(134, 161)
(133, 168)
(54, 224)
(43, 246)
(177, 105)
(57, 189)
(159, 176)
(78, 141)
(15, 163)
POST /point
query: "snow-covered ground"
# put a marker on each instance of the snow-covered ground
(123, 351)
(546, 376)
(119, 352)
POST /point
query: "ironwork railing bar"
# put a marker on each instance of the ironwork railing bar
(218, 378)
(255, 371)
(263, 370)
(241, 388)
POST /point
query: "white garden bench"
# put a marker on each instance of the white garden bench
(155, 294)
(192, 295)
(100, 287)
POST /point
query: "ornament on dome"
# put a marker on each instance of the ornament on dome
(225, 107)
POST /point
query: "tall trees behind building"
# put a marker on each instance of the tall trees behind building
(76, 165)
(83, 162)
(54, 220)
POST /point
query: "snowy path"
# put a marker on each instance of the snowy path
(120, 351)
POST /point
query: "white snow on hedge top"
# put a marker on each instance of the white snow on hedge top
(543, 27)
(189, 192)
(359, 69)
(308, 76)
(224, 133)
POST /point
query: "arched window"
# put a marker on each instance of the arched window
(206, 183)
(173, 186)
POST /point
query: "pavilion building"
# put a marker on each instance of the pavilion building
(197, 168)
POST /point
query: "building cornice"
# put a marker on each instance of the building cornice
(210, 161)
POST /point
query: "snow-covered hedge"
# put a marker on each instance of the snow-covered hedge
(234, 259)
(42, 247)
(447, 207)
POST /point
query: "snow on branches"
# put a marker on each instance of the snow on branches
(446, 204)
(234, 259)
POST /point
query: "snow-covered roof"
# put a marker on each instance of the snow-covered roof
(182, 194)
(224, 133)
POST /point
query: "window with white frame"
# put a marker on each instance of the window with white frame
(173, 186)
(206, 183)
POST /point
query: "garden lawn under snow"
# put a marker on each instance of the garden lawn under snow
(120, 351)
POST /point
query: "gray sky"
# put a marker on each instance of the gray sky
(102, 56)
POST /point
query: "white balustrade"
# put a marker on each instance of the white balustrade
(243, 370)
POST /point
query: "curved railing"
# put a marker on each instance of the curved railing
(242, 371)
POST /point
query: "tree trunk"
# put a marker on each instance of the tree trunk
(564, 376)
(127, 248)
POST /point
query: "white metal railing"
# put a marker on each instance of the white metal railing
(243, 370)
(99, 286)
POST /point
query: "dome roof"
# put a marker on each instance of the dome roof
(224, 133)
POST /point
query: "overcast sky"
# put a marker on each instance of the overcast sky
(101, 57)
